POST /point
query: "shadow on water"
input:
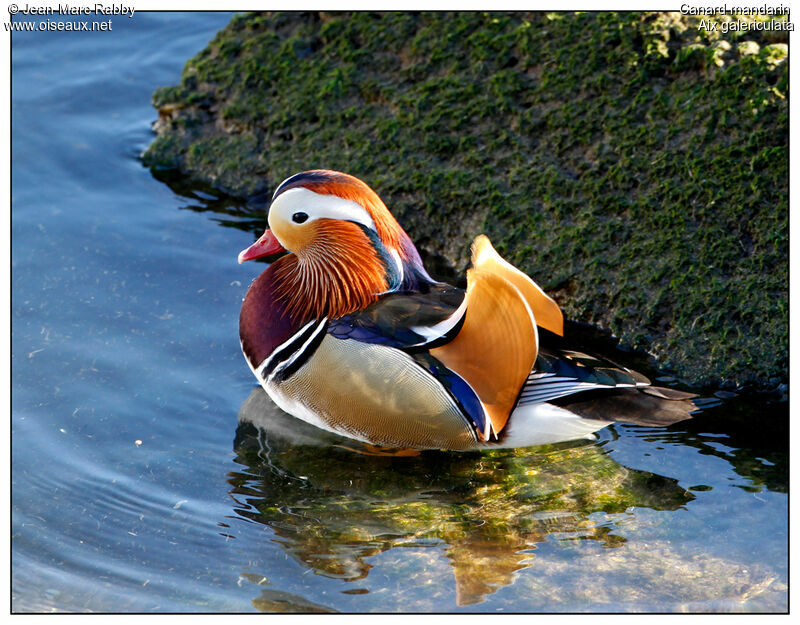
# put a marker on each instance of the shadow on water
(332, 508)
(234, 213)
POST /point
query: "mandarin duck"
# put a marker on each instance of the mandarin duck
(347, 331)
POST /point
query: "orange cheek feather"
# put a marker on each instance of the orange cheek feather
(334, 269)
(294, 237)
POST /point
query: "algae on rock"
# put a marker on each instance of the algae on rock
(634, 164)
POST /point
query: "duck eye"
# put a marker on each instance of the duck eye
(299, 218)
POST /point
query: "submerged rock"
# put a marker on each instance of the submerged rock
(634, 164)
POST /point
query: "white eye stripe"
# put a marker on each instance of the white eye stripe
(319, 206)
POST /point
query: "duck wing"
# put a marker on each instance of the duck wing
(496, 346)
(599, 389)
(650, 405)
(406, 320)
(486, 337)
(560, 373)
(413, 322)
(545, 310)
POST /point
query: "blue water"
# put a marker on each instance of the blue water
(148, 475)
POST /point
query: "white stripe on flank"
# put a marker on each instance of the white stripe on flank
(260, 369)
(301, 351)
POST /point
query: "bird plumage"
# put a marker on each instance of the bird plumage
(347, 331)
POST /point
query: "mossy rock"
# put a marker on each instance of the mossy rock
(634, 164)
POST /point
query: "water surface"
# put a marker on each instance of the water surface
(148, 474)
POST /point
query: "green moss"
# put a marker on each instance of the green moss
(164, 152)
(633, 164)
(169, 95)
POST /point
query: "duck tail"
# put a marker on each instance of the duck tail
(650, 405)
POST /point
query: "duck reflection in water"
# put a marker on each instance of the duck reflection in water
(331, 511)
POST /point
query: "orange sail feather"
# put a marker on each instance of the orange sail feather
(495, 349)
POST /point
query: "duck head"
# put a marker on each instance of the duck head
(345, 247)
